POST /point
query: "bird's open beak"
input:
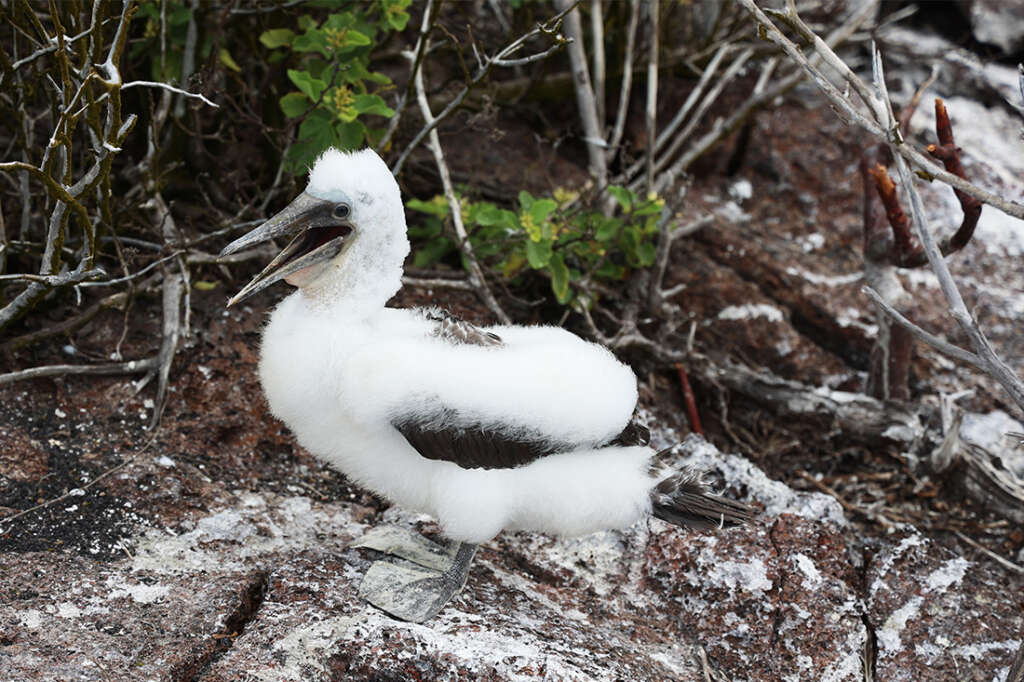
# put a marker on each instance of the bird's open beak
(320, 229)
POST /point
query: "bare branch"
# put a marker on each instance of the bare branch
(476, 274)
(1002, 561)
(548, 28)
(429, 16)
(172, 293)
(691, 99)
(627, 80)
(66, 326)
(935, 342)
(995, 367)
(852, 115)
(522, 61)
(437, 283)
(653, 9)
(165, 86)
(597, 59)
(586, 102)
(130, 367)
(54, 281)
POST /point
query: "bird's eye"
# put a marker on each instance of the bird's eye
(342, 211)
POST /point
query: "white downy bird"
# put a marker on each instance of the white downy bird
(484, 428)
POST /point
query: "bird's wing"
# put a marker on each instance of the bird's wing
(481, 400)
(457, 331)
(472, 446)
(483, 447)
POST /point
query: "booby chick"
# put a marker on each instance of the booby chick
(485, 429)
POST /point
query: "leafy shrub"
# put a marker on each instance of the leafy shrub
(571, 246)
(336, 88)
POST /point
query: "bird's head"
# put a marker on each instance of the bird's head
(347, 229)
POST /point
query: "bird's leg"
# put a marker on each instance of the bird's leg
(410, 592)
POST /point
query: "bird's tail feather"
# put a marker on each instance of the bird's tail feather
(682, 500)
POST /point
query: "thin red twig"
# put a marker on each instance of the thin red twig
(946, 152)
(689, 400)
(907, 249)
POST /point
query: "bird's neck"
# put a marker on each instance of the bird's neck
(345, 294)
(356, 287)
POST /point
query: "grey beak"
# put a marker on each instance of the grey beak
(288, 222)
(318, 232)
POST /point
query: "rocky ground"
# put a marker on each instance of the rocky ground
(216, 549)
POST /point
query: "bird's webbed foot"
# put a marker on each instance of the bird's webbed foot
(424, 577)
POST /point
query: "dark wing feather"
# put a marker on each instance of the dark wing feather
(456, 330)
(681, 499)
(635, 433)
(473, 447)
(477, 447)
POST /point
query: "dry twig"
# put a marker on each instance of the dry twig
(503, 58)
(850, 112)
(586, 101)
(996, 368)
(130, 367)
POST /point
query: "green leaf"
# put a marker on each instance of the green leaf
(311, 87)
(513, 264)
(204, 285)
(312, 40)
(607, 228)
(437, 206)
(342, 32)
(180, 16)
(300, 156)
(277, 37)
(318, 68)
(559, 278)
(315, 135)
(372, 105)
(429, 228)
(623, 196)
(350, 135)
(645, 254)
(340, 21)
(610, 271)
(307, 22)
(398, 20)
(431, 252)
(648, 207)
(347, 114)
(538, 253)
(377, 78)
(630, 240)
(504, 219)
(355, 38)
(317, 130)
(294, 104)
(227, 60)
(540, 209)
(525, 200)
(395, 14)
(374, 136)
(485, 214)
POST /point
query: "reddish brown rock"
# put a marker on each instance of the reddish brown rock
(66, 618)
(937, 615)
